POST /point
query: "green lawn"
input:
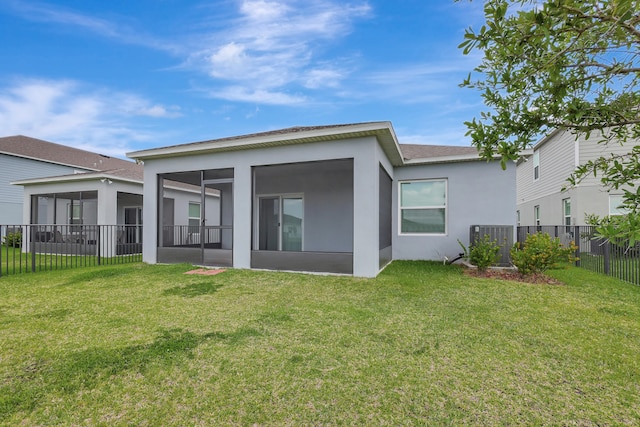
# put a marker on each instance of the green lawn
(421, 344)
(14, 261)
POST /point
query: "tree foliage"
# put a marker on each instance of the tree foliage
(560, 64)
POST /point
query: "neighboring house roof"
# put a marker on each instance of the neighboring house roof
(37, 149)
(398, 154)
(91, 165)
(418, 153)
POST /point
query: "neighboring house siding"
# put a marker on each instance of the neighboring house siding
(478, 193)
(591, 150)
(17, 168)
(556, 164)
(558, 160)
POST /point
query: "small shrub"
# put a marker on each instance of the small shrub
(483, 253)
(13, 239)
(539, 253)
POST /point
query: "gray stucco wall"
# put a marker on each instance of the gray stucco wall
(478, 193)
(363, 151)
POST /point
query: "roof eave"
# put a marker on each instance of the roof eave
(383, 131)
(75, 178)
(546, 138)
(443, 159)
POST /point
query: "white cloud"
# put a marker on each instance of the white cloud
(53, 14)
(65, 111)
(263, 11)
(320, 77)
(257, 96)
(273, 44)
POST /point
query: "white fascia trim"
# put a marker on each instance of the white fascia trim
(445, 159)
(546, 138)
(75, 178)
(378, 129)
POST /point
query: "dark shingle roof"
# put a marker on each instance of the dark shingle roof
(419, 151)
(286, 131)
(32, 148)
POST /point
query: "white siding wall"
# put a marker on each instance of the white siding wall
(557, 162)
(558, 159)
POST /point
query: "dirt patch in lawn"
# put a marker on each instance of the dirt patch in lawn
(539, 279)
(205, 271)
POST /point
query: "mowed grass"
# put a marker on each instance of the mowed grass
(421, 344)
(14, 261)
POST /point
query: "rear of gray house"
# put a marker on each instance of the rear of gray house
(338, 199)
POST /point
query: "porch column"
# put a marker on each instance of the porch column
(150, 216)
(365, 212)
(107, 215)
(107, 204)
(242, 194)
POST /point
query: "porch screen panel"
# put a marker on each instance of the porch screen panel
(384, 200)
(269, 223)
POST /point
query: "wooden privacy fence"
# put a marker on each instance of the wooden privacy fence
(617, 260)
(33, 248)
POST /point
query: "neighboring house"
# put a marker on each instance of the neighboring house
(82, 191)
(341, 199)
(24, 158)
(542, 175)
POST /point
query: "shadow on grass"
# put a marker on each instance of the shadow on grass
(86, 369)
(96, 274)
(54, 314)
(193, 290)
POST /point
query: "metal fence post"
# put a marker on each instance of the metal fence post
(98, 241)
(577, 242)
(607, 258)
(32, 248)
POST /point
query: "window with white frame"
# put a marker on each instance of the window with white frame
(536, 214)
(194, 217)
(566, 211)
(615, 205)
(423, 207)
(536, 165)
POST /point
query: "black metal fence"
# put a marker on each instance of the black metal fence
(618, 260)
(33, 248)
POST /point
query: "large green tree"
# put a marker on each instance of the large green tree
(563, 64)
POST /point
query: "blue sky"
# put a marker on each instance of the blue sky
(118, 76)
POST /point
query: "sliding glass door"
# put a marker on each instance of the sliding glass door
(280, 223)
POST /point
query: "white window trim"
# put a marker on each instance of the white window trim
(616, 213)
(446, 209)
(564, 211)
(536, 164)
(189, 217)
